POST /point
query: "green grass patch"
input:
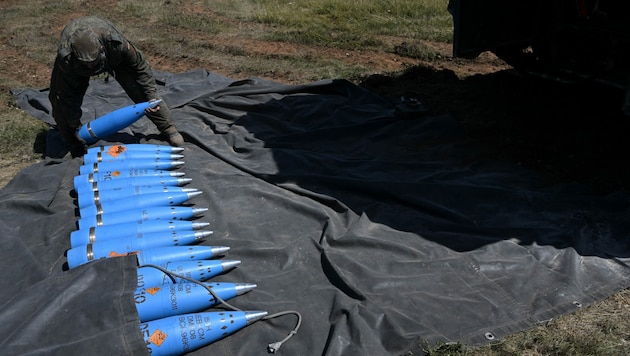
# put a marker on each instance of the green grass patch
(344, 24)
(20, 133)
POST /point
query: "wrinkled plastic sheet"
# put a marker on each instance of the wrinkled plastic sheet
(373, 218)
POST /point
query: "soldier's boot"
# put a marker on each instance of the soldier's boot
(173, 137)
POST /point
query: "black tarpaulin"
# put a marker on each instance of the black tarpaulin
(374, 219)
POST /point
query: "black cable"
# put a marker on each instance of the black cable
(275, 346)
(271, 348)
(172, 275)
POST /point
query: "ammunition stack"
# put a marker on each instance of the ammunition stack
(131, 201)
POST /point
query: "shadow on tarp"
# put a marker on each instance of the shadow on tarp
(414, 173)
(370, 215)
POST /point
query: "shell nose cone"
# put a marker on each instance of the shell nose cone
(201, 234)
(219, 250)
(183, 181)
(194, 194)
(199, 211)
(242, 288)
(199, 225)
(253, 316)
(229, 264)
(154, 104)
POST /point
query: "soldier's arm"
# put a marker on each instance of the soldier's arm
(135, 60)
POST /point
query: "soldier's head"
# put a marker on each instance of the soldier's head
(87, 49)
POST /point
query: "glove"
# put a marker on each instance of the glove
(75, 145)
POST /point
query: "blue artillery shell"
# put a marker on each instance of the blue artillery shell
(177, 335)
(91, 198)
(118, 149)
(131, 181)
(200, 270)
(84, 179)
(98, 157)
(140, 215)
(78, 255)
(137, 202)
(133, 229)
(172, 299)
(129, 164)
(113, 122)
(163, 255)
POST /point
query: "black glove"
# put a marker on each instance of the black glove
(74, 144)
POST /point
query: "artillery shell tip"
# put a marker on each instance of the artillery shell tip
(194, 194)
(199, 211)
(242, 288)
(199, 225)
(253, 316)
(184, 181)
(229, 264)
(217, 250)
(201, 234)
(153, 104)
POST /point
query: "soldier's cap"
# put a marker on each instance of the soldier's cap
(85, 44)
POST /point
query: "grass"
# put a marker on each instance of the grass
(30, 29)
(343, 24)
(19, 131)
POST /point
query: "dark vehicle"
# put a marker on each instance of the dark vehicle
(567, 40)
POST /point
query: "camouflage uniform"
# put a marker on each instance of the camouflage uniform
(70, 76)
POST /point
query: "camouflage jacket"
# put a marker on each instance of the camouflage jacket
(69, 80)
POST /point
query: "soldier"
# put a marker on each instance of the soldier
(91, 46)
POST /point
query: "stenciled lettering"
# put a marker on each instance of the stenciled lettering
(140, 280)
(141, 297)
(107, 176)
(173, 295)
(200, 332)
(144, 329)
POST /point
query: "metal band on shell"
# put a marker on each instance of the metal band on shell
(89, 128)
(92, 235)
(89, 252)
